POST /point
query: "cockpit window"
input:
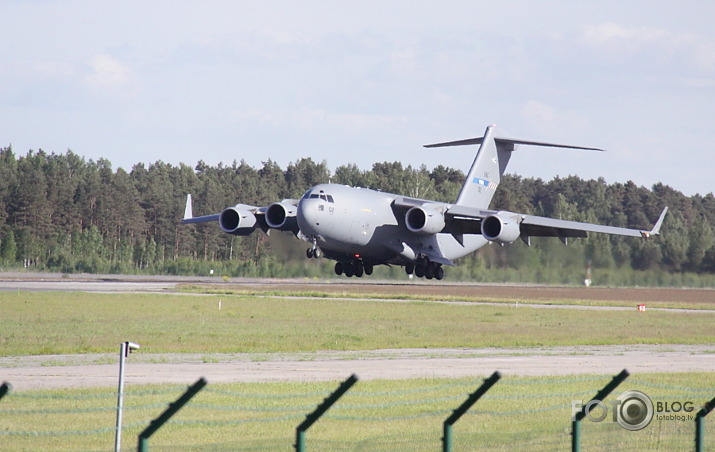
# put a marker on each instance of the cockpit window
(321, 195)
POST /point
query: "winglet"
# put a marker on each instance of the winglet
(658, 224)
(188, 211)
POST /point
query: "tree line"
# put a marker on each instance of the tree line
(63, 213)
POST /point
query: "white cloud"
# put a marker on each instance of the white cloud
(107, 72)
(317, 119)
(619, 38)
(546, 118)
(536, 111)
(699, 83)
(52, 69)
(704, 55)
(665, 45)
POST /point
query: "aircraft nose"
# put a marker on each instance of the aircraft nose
(308, 215)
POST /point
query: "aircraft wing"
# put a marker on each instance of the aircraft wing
(189, 215)
(548, 227)
(202, 219)
(504, 227)
(243, 219)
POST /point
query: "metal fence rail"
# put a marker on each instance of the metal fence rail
(518, 413)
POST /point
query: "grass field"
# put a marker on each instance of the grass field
(517, 414)
(43, 323)
(703, 299)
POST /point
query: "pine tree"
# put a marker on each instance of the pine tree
(8, 248)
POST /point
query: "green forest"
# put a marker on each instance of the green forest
(63, 213)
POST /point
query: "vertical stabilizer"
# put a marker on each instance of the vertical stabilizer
(492, 157)
(486, 171)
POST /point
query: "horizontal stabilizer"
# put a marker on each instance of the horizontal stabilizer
(466, 142)
(478, 140)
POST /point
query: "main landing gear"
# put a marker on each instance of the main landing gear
(425, 268)
(353, 267)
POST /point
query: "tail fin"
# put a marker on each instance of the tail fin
(490, 163)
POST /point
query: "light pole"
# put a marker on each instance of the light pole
(124, 349)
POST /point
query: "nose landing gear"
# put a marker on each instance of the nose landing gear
(314, 252)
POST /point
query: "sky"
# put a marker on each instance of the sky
(366, 81)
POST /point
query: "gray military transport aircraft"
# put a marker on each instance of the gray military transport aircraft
(360, 228)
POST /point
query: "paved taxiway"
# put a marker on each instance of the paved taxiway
(42, 372)
(27, 373)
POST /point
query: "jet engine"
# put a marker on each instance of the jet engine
(501, 228)
(281, 216)
(237, 221)
(422, 220)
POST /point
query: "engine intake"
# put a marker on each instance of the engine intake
(237, 221)
(421, 220)
(281, 216)
(501, 228)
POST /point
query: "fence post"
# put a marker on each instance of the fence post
(124, 349)
(466, 405)
(320, 410)
(600, 395)
(4, 389)
(700, 424)
(166, 415)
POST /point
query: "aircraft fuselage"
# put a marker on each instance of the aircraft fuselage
(359, 223)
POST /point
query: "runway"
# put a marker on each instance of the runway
(100, 370)
(22, 281)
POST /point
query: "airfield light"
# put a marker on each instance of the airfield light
(124, 349)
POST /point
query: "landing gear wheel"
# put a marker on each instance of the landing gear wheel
(358, 269)
(317, 253)
(419, 270)
(429, 271)
(349, 269)
(439, 273)
(410, 268)
(368, 268)
(338, 268)
(309, 253)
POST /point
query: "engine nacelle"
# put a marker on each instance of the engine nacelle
(421, 220)
(501, 228)
(281, 216)
(237, 221)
